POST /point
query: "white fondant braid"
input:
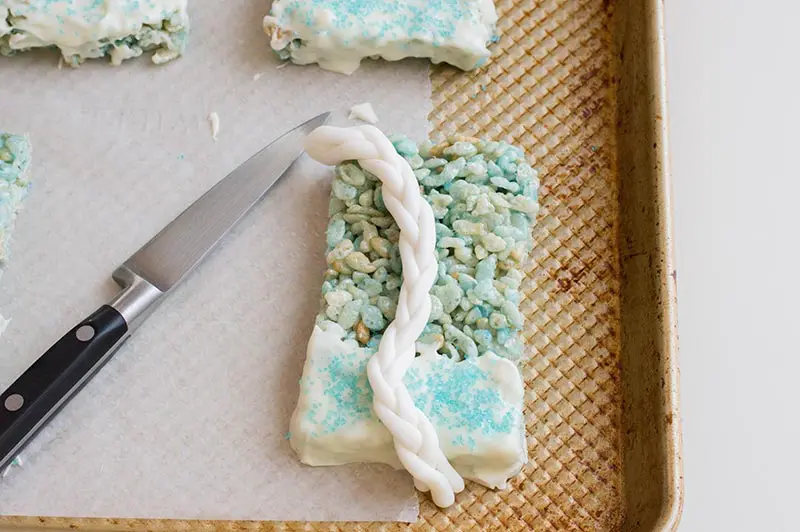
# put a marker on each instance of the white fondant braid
(415, 439)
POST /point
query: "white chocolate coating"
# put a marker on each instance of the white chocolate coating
(334, 425)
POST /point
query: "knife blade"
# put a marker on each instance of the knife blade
(145, 279)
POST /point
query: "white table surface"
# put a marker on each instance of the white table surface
(734, 103)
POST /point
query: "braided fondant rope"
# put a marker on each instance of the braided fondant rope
(415, 439)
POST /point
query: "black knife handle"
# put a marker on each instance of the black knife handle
(50, 382)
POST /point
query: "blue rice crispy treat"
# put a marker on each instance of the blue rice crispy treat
(83, 29)
(337, 34)
(466, 381)
(15, 158)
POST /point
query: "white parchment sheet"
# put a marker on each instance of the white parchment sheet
(188, 419)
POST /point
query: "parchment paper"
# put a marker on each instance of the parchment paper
(188, 419)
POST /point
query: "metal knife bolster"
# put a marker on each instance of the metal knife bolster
(137, 299)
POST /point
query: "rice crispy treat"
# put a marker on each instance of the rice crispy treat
(483, 195)
(338, 34)
(84, 29)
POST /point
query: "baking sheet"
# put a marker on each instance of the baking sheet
(188, 420)
(580, 85)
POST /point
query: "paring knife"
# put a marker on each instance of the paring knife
(145, 279)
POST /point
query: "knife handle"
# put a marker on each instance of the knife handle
(50, 382)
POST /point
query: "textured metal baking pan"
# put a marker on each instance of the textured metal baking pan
(579, 84)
